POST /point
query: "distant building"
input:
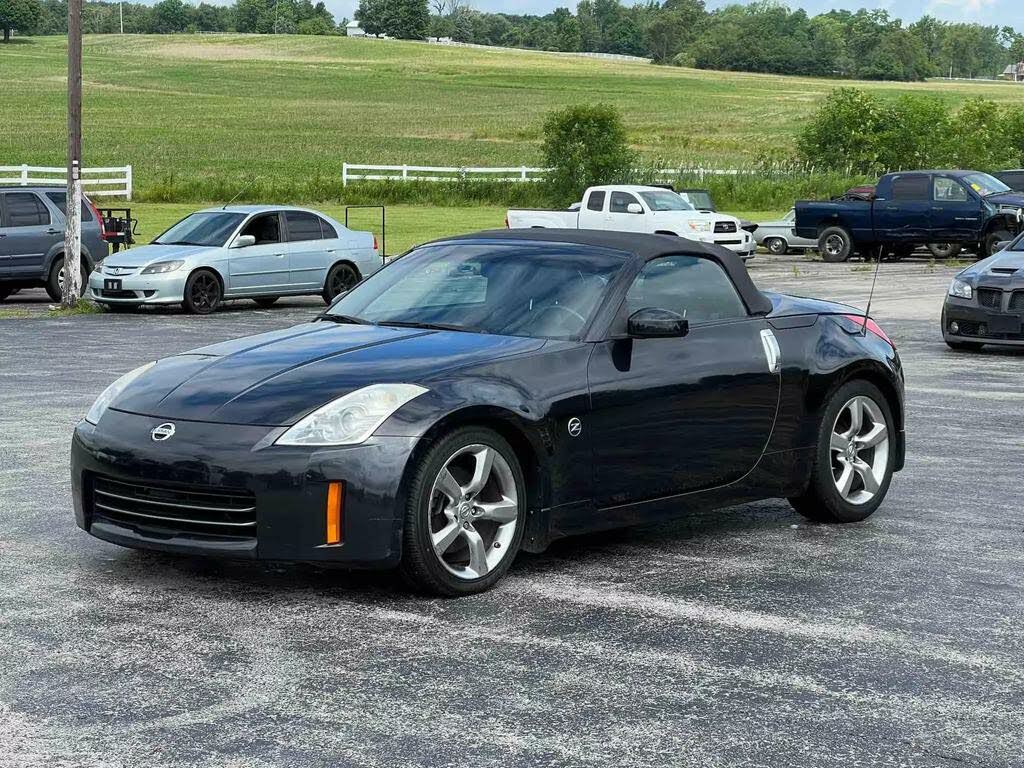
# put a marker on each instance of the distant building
(1014, 73)
(352, 29)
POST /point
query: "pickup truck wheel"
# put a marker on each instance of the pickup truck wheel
(993, 239)
(835, 245)
(776, 246)
(945, 250)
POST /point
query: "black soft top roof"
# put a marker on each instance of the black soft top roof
(642, 246)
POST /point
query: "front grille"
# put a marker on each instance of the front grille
(724, 227)
(1017, 300)
(728, 242)
(990, 297)
(166, 511)
(119, 294)
(115, 271)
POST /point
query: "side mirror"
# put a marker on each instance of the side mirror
(634, 208)
(653, 323)
(1002, 245)
(244, 241)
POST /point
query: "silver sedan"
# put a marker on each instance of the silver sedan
(778, 237)
(238, 252)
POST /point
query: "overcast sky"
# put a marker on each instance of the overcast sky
(997, 12)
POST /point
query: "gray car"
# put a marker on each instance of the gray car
(32, 239)
(257, 252)
(778, 237)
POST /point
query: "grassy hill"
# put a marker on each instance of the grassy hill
(198, 113)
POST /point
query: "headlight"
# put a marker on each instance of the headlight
(961, 289)
(351, 419)
(700, 226)
(162, 266)
(111, 392)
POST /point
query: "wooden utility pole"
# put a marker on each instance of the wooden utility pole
(72, 287)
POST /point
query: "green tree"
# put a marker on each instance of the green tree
(404, 19)
(170, 16)
(843, 134)
(585, 145)
(22, 15)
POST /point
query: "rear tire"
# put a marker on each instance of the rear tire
(203, 293)
(470, 485)
(945, 250)
(777, 246)
(266, 302)
(854, 459)
(964, 346)
(835, 245)
(340, 279)
(55, 280)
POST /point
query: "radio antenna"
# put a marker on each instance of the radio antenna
(240, 192)
(871, 295)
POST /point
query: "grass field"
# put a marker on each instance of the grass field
(198, 115)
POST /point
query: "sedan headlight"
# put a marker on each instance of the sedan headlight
(162, 267)
(961, 290)
(700, 226)
(111, 392)
(351, 419)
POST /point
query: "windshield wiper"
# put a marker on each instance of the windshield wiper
(345, 320)
(429, 326)
(180, 242)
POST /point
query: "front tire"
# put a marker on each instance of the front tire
(945, 250)
(55, 280)
(203, 293)
(777, 246)
(465, 514)
(993, 239)
(835, 245)
(340, 279)
(854, 459)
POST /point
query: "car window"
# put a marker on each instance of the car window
(948, 191)
(1013, 180)
(303, 226)
(696, 288)
(665, 201)
(548, 290)
(621, 202)
(596, 201)
(984, 184)
(24, 209)
(910, 188)
(207, 228)
(791, 216)
(266, 228)
(329, 232)
(60, 199)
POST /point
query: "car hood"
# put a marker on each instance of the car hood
(784, 305)
(276, 378)
(1004, 269)
(146, 254)
(1015, 199)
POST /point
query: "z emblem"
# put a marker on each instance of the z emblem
(575, 427)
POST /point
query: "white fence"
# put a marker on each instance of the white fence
(352, 172)
(96, 182)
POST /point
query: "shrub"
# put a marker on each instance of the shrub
(585, 145)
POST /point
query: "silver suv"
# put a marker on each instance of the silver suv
(32, 239)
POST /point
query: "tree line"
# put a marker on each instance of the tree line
(761, 37)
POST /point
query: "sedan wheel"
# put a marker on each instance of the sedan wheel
(854, 460)
(777, 247)
(202, 293)
(465, 519)
(341, 278)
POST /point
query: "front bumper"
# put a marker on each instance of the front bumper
(139, 289)
(964, 320)
(288, 488)
(741, 242)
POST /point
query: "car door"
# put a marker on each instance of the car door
(956, 212)
(906, 216)
(312, 246)
(619, 218)
(263, 267)
(29, 233)
(673, 415)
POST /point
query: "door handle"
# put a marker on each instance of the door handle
(278, 255)
(52, 231)
(771, 351)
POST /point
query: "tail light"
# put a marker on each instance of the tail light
(860, 321)
(96, 212)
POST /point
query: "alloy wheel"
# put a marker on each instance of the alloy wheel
(859, 450)
(474, 512)
(205, 292)
(342, 280)
(834, 245)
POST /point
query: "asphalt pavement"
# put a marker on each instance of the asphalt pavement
(739, 637)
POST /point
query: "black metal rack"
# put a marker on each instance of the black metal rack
(119, 226)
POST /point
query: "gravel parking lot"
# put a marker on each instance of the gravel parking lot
(742, 637)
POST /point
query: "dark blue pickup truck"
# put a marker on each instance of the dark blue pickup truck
(913, 208)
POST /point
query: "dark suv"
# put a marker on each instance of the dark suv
(32, 239)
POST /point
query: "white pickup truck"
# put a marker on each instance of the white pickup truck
(652, 210)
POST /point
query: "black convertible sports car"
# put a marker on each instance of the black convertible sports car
(490, 393)
(985, 302)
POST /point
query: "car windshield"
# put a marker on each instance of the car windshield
(546, 291)
(665, 201)
(699, 200)
(211, 229)
(985, 185)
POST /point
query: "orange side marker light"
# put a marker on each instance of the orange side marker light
(334, 508)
